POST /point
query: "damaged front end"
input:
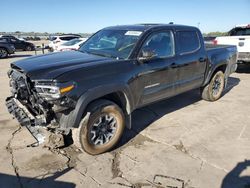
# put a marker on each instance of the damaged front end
(38, 103)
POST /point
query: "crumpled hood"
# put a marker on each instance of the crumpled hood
(50, 66)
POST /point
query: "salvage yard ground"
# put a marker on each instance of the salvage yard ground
(182, 142)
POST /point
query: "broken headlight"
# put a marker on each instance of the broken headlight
(51, 91)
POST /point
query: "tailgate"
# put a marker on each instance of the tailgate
(242, 42)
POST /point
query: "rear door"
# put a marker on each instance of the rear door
(17, 43)
(191, 59)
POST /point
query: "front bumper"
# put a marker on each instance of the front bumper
(244, 56)
(25, 118)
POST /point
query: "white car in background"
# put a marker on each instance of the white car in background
(58, 40)
(240, 37)
(73, 44)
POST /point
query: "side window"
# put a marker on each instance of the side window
(160, 44)
(13, 40)
(188, 41)
(239, 31)
(3, 40)
(70, 38)
(67, 38)
(63, 38)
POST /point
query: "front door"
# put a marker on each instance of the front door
(159, 73)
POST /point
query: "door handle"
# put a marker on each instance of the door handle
(202, 59)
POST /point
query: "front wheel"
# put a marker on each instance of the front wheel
(214, 89)
(103, 129)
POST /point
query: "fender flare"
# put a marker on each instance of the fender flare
(73, 118)
(212, 71)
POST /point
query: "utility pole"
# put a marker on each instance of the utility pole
(198, 24)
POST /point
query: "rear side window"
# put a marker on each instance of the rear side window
(68, 38)
(3, 40)
(239, 32)
(188, 41)
(13, 40)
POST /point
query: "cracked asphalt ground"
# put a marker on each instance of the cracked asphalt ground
(181, 142)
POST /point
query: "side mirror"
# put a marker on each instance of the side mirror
(146, 55)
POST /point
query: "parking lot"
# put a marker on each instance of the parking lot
(181, 142)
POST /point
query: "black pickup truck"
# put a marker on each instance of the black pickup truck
(93, 91)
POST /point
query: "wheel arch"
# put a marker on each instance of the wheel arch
(220, 67)
(119, 95)
(120, 98)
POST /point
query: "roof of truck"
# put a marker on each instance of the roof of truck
(147, 26)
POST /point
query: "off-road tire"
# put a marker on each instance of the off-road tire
(96, 109)
(207, 92)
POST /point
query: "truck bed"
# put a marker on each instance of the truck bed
(216, 53)
(214, 46)
(219, 49)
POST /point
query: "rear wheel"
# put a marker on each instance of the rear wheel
(213, 90)
(3, 53)
(28, 48)
(103, 129)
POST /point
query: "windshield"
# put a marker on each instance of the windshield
(52, 38)
(112, 43)
(72, 42)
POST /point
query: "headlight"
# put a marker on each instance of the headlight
(50, 91)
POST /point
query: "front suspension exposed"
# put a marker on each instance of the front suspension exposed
(25, 119)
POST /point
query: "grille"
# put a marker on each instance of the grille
(18, 84)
